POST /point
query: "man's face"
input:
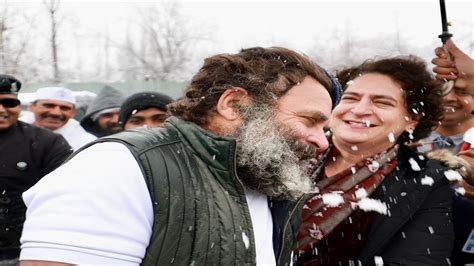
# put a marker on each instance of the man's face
(52, 114)
(274, 142)
(8, 115)
(458, 106)
(149, 117)
(303, 113)
(108, 122)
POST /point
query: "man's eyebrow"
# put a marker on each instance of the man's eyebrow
(316, 115)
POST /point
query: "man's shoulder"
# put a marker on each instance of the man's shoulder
(146, 138)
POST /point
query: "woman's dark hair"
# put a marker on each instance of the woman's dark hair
(423, 94)
(265, 73)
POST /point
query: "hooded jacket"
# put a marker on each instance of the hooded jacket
(107, 98)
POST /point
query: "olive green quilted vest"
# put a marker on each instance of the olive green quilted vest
(200, 211)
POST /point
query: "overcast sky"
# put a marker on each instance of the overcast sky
(295, 24)
(248, 22)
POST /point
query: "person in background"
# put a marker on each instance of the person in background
(458, 104)
(54, 109)
(221, 184)
(381, 203)
(101, 118)
(27, 154)
(456, 133)
(144, 109)
(460, 68)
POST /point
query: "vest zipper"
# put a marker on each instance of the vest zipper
(284, 229)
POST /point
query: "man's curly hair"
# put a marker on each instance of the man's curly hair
(265, 73)
(423, 94)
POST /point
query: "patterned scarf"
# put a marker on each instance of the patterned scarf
(347, 187)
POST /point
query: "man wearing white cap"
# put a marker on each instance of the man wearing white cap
(54, 109)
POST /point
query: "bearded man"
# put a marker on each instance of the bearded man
(221, 184)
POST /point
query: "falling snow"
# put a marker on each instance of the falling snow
(378, 261)
(391, 137)
(414, 165)
(332, 199)
(431, 229)
(452, 175)
(427, 181)
(361, 193)
(368, 204)
(373, 166)
(353, 170)
(460, 190)
(246, 240)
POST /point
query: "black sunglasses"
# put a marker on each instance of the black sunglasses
(9, 103)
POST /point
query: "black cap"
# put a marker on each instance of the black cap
(9, 84)
(140, 101)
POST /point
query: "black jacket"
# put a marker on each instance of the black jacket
(463, 218)
(418, 229)
(27, 154)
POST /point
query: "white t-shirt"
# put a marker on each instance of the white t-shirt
(96, 209)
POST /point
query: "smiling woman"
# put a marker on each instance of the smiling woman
(388, 211)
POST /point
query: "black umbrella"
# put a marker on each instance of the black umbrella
(445, 36)
(444, 23)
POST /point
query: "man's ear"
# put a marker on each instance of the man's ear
(229, 103)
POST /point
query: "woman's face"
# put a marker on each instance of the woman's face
(372, 114)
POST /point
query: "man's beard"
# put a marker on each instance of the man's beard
(110, 128)
(269, 159)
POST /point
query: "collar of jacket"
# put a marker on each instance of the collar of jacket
(219, 152)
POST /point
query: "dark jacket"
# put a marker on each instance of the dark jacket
(201, 215)
(463, 218)
(418, 229)
(28, 153)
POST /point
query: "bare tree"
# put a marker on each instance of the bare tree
(52, 7)
(3, 29)
(166, 37)
(17, 54)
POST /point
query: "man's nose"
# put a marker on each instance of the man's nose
(115, 117)
(317, 137)
(56, 111)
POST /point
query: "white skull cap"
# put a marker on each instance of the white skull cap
(55, 93)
